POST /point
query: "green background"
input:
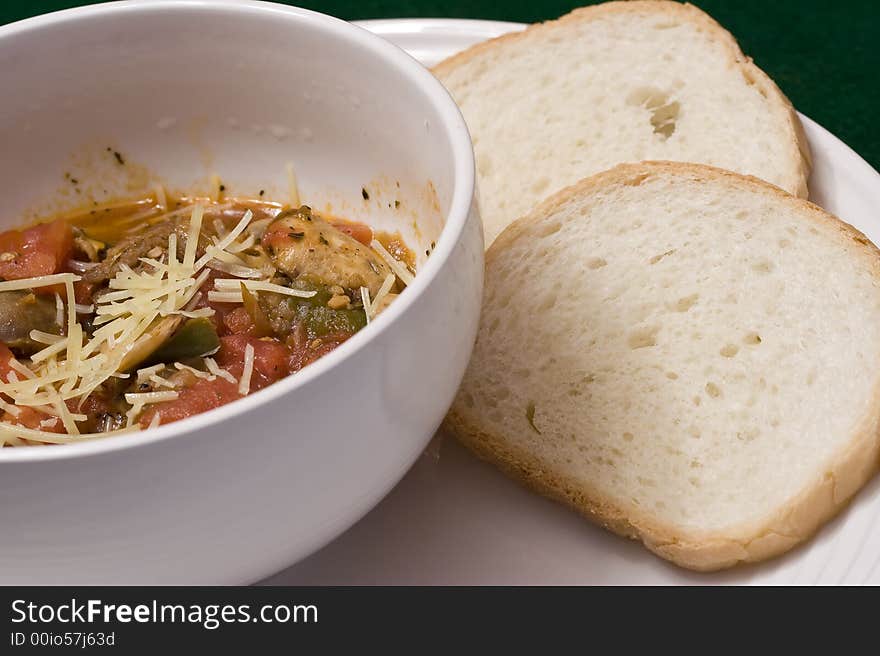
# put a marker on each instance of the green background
(824, 55)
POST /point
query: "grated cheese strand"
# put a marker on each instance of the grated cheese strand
(365, 297)
(396, 265)
(195, 228)
(59, 309)
(11, 409)
(72, 366)
(38, 281)
(223, 243)
(215, 369)
(244, 385)
(45, 338)
(161, 382)
(146, 372)
(382, 293)
(54, 438)
(143, 398)
(195, 372)
(229, 285)
(21, 368)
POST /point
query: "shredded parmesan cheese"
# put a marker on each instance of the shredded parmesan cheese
(46, 338)
(161, 382)
(142, 398)
(225, 285)
(382, 293)
(365, 297)
(59, 309)
(146, 372)
(132, 415)
(257, 228)
(195, 314)
(195, 228)
(195, 372)
(219, 228)
(215, 369)
(396, 265)
(11, 409)
(239, 270)
(244, 385)
(39, 281)
(221, 245)
(21, 368)
(53, 438)
(243, 245)
(72, 366)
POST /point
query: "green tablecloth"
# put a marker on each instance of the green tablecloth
(824, 55)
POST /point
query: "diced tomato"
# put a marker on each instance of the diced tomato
(239, 322)
(38, 251)
(202, 396)
(6, 357)
(360, 231)
(270, 358)
(270, 364)
(220, 309)
(303, 353)
(30, 418)
(95, 406)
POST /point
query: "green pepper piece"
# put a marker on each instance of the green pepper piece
(322, 320)
(196, 338)
(262, 327)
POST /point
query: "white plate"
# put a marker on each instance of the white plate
(455, 520)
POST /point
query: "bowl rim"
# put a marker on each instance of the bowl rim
(463, 188)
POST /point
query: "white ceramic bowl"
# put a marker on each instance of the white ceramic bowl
(183, 90)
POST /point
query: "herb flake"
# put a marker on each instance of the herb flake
(530, 416)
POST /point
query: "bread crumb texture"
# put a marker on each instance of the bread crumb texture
(617, 82)
(687, 355)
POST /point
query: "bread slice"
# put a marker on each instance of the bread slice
(613, 83)
(688, 356)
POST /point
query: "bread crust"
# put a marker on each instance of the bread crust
(798, 519)
(799, 152)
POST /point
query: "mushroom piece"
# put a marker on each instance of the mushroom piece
(129, 250)
(23, 311)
